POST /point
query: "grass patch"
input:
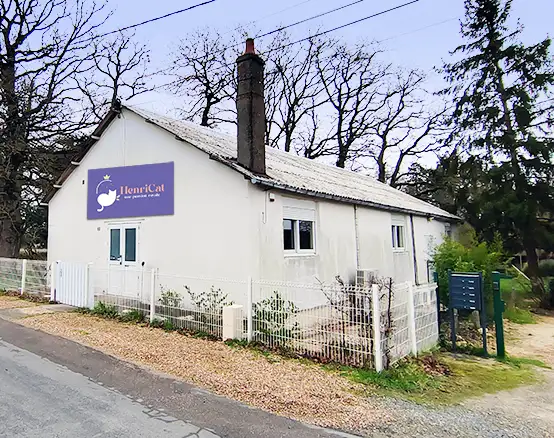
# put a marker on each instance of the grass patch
(519, 316)
(519, 285)
(522, 361)
(442, 379)
(516, 292)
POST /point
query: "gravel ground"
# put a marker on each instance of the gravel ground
(307, 393)
(472, 419)
(526, 412)
(288, 388)
(14, 303)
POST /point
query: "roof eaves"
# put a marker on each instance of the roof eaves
(270, 183)
(343, 199)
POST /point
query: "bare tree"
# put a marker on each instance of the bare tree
(205, 74)
(296, 89)
(405, 128)
(204, 68)
(43, 47)
(352, 80)
(120, 72)
(322, 99)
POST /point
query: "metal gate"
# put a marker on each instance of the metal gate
(72, 284)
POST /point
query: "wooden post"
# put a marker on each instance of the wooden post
(483, 315)
(453, 328)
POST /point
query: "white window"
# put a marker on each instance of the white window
(398, 237)
(123, 244)
(298, 226)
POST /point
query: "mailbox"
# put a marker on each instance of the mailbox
(466, 293)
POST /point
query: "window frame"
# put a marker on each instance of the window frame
(297, 211)
(123, 227)
(394, 235)
(293, 230)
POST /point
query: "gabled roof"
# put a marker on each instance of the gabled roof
(290, 172)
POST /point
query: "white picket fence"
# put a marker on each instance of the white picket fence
(348, 324)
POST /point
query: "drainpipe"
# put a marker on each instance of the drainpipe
(416, 276)
(357, 236)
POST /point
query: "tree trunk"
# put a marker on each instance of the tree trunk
(342, 155)
(533, 270)
(11, 225)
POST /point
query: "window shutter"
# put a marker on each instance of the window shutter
(301, 214)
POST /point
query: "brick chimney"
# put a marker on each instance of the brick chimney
(251, 110)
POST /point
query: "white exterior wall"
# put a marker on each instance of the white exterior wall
(205, 236)
(428, 235)
(347, 238)
(335, 243)
(224, 226)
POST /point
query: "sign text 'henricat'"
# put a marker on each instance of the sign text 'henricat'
(130, 191)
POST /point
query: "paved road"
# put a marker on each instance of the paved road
(51, 387)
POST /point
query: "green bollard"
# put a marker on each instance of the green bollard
(498, 310)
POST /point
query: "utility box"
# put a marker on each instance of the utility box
(233, 322)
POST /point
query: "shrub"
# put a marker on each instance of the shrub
(209, 302)
(133, 315)
(472, 256)
(163, 324)
(170, 298)
(271, 320)
(104, 310)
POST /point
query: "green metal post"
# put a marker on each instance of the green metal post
(498, 310)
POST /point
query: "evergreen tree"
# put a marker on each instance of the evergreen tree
(500, 86)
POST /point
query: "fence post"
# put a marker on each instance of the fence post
(411, 319)
(153, 295)
(87, 287)
(23, 276)
(53, 280)
(376, 317)
(249, 328)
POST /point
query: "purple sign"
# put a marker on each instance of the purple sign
(130, 191)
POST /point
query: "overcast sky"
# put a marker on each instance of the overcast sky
(417, 36)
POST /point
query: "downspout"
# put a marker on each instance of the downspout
(416, 276)
(357, 236)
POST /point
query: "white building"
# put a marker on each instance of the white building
(198, 207)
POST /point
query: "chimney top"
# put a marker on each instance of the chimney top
(250, 46)
(250, 110)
